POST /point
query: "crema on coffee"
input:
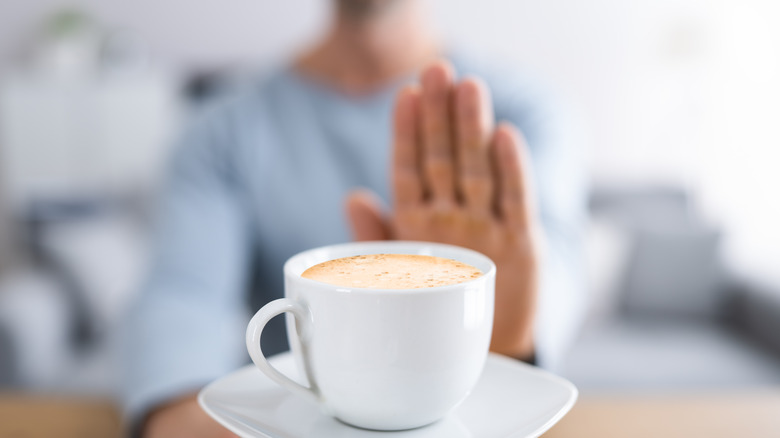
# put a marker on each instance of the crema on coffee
(392, 271)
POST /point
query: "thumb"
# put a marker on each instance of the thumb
(364, 212)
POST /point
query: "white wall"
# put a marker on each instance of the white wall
(682, 91)
(206, 32)
(674, 91)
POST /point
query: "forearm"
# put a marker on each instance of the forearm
(186, 326)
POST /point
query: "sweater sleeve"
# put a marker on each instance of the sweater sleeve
(186, 327)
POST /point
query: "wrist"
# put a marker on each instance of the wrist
(520, 349)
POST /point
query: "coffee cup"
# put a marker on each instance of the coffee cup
(382, 358)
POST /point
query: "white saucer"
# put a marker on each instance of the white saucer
(511, 400)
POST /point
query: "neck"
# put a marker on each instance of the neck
(361, 54)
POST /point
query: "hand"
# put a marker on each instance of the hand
(458, 179)
(183, 419)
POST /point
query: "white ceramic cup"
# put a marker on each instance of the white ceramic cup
(384, 359)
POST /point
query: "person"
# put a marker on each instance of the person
(265, 175)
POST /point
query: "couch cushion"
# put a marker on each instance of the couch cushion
(757, 312)
(643, 354)
(674, 271)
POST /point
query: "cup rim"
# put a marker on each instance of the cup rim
(289, 274)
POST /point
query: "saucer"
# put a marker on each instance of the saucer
(511, 400)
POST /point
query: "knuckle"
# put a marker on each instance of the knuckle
(477, 185)
(439, 169)
(478, 195)
(473, 147)
(405, 179)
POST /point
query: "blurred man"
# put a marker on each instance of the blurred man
(265, 176)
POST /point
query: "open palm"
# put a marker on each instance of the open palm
(459, 179)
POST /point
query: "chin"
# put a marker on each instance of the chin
(365, 7)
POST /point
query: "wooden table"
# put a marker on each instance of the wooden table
(754, 414)
(28, 416)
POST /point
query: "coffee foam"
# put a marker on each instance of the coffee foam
(392, 271)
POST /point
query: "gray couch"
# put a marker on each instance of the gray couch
(680, 320)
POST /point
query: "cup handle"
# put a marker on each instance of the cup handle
(303, 326)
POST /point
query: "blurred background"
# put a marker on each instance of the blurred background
(679, 102)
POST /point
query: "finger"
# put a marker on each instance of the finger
(435, 107)
(515, 199)
(474, 124)
(364, 211)
(407, 178)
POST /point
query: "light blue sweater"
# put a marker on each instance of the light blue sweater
(264, 176)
